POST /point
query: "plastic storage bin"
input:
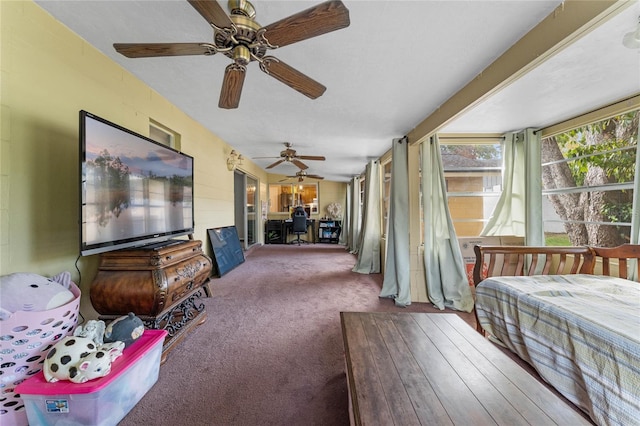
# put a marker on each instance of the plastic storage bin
(103, 401)
(25, 340)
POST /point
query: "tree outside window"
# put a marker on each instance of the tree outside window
(588, 177)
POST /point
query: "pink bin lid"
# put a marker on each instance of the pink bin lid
(37, 385)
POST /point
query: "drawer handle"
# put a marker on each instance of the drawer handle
(169, 257)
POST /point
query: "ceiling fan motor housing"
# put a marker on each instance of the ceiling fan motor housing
(246, 42)
(242, 7)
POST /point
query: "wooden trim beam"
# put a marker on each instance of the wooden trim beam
(600, 114)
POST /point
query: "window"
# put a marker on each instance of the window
(284, 197)
(587, 179)
(472, 171)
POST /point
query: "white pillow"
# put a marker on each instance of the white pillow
(24, 291)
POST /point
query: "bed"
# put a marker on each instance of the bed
(573, 315)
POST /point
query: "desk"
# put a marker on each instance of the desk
(418, 369)
(288, 226)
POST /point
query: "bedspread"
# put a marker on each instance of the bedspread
(580, 332)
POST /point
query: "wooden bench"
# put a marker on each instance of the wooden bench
(417, 369)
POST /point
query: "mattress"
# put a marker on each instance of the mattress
(580, 332)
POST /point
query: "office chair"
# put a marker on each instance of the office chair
(299, 225)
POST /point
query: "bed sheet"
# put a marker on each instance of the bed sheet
(580, 332)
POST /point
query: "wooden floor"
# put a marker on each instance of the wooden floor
(418, 369)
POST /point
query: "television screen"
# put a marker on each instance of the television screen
(134, 191)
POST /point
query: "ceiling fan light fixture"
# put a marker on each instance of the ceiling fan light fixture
(241, 55)
(631, 39)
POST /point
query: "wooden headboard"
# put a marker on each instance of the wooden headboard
(615, 261)
(494, 261)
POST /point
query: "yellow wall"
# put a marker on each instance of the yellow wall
(48, 75)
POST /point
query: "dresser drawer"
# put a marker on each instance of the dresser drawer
(145, 258)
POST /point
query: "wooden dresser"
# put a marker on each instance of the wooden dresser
(161, 284)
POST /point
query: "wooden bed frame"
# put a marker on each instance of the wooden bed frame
(494, 261)
(591, 360)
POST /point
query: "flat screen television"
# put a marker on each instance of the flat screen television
(134, 191)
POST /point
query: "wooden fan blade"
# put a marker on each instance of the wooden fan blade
(311, 157)
(321, 19)
(315, 177)
(300, 164)
(212, 12)
(232, 86)
(148, 50)
(292, 77)
(274, 164)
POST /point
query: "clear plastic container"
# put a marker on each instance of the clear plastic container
(103, 401)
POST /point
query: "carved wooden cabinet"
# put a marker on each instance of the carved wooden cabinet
(162, 285)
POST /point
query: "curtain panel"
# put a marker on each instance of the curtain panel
(447, 284)
(355, 219)
(635, 209)
(508, 217)
(534, 227)
(397, 272)
(519, 209)
(370, 235)
(346, 219)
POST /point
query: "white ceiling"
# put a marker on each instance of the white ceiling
(392, 67)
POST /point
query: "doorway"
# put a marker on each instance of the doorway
(246, 209)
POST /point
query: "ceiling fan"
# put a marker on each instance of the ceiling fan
(301, 175)
(242, 39)
(291, 155)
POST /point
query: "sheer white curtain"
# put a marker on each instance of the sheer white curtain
(519, 209)
(447, 284)
(508, 217)
(346, 219)
(397, 272)
(369, 244)
(354, 220)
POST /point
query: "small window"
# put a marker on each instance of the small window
(163, 134)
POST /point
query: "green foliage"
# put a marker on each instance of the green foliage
(617, 156)
(618, 212)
